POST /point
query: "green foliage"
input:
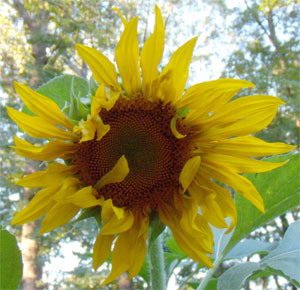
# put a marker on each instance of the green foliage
(11, 267)
(279, 189)
(284, 257)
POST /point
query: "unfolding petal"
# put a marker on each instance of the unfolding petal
(179, 65)
(189, 171)
(55, 174)
(109, 210)
(151, 54)
(117, 174)
(37, 207)
(102, 249)
(234, 180)
(127, 58)
(59, 215)
(209, 96)
(38, 127)
(42, 106)
(103, 70)
(50, 151)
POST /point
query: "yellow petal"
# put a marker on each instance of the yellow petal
(109, 211)
(130, 250)
(59, 215)
(120, 261)
(116, 225)
(223, 199)
(52, 150)
(240, 109)
(55, 174)
(193, 223)
(189, 171)
(37, 127)
(125, 22)
(206, 198)
(69, 186)
(42, 106)
(140, 246)
(101, 250)
(174, 130)
(191, 245)
(117, 174)
(179, 65)
(151, 54)
(246, 146)
(103, 70)
(206, 97)
(86, 197)
(235, 181)
(37, 207)
(250, 123)
(127, 57)
(241, 164)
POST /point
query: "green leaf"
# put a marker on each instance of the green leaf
(279, 189)
(145, 271)
(221, 240)
(249, 247)
(286, 257)
(268, 271)
(235, 277)
(171, 244)
(11, 267)
(60, 90)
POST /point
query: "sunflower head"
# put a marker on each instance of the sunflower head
(146, 146)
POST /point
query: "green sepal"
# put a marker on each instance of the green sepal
(156, 228)
(94, 212)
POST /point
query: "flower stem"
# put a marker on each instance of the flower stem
(157, 265)
(210, 273)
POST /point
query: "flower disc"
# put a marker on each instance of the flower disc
(140, 130)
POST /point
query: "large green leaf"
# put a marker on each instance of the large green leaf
(60, 89)
(283, 260)
(279, 189)
(11, 267)
(235, 277)
(286, 257)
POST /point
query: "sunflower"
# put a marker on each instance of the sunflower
(146, 147)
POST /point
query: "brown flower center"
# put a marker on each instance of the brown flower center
(140, 130)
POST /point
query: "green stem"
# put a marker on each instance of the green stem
(210, 273)
(157, 265)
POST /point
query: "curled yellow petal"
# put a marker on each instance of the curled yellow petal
(174, 130)
(117, 174)
(189, 172)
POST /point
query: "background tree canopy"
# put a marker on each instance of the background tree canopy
(254, 40)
